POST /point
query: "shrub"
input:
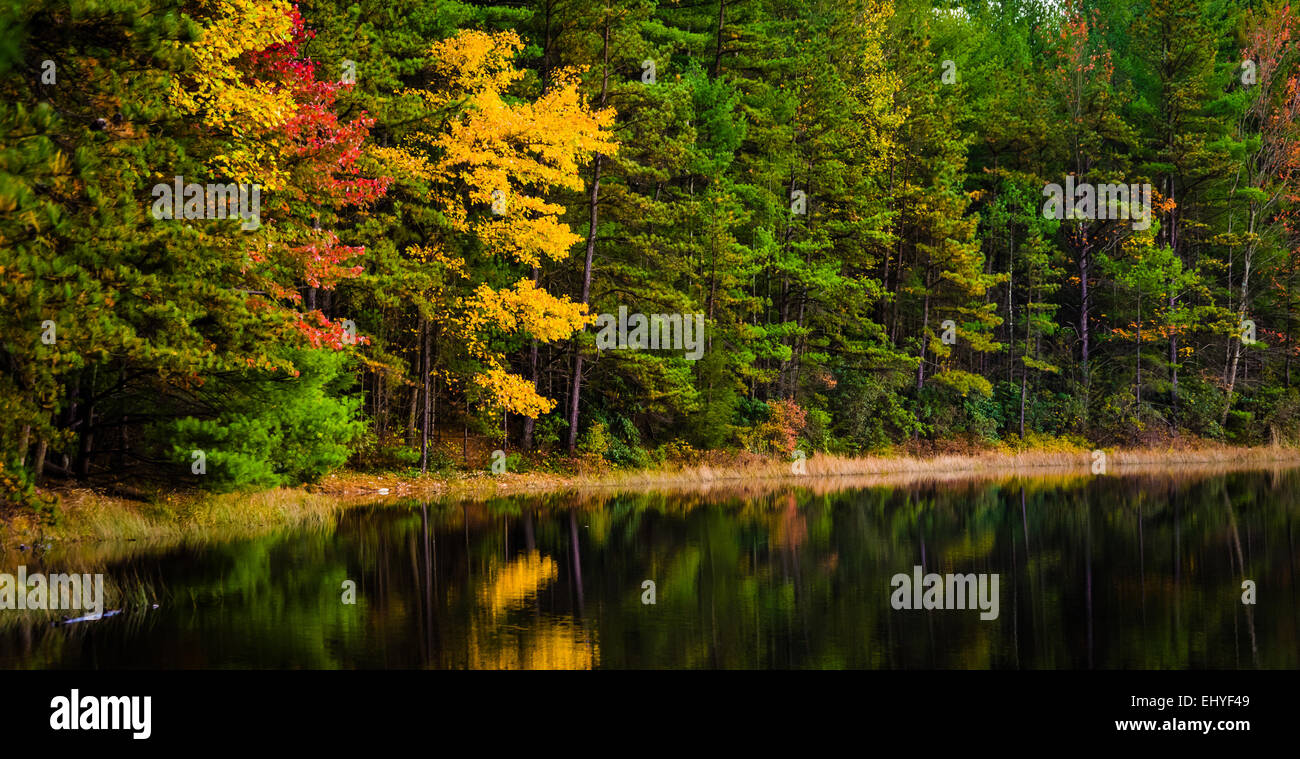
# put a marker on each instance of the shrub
(595, 440)
(547, 431)
(265, 430)
(780, 431)
(678, 452)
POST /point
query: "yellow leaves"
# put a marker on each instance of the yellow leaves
(218, 92)
(434, 255)
(504, 155)
(401, 163)
(526, 308)
(502, 150)
(527, 240)
(477, 61)
(490, 161)
(493, 144)
(512, 392)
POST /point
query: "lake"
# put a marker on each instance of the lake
(1129, 571)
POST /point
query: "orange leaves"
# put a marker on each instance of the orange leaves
(320, 332)
(780, 431)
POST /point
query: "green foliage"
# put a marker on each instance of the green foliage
(595, 440)
(862, 237)
(269, 431)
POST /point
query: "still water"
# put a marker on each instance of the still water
(1118, 572)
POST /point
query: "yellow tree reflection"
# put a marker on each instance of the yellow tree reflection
(546, 643)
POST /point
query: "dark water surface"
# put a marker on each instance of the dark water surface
(1115, 572)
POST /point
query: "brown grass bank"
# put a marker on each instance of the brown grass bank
(86, 516)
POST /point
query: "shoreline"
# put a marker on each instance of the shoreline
(888, 469)
(88, 516)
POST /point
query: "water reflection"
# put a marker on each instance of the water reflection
(1109, 572)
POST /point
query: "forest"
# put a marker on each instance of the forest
(261, 242)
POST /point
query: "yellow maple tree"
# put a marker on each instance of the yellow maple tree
(491, 160)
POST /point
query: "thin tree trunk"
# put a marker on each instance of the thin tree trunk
(38, 467)
(70, 421)
(415, 400)
(1083, 311)
(717, 51)
(1235, 350)
(1173, 363)
(576, 386)
(1290, 280)
(529, 421)
(925, 325)
(427, 333)
(24, 441)
(85, 446)
(1024, 375)
(1139, 352)
(1024, 368)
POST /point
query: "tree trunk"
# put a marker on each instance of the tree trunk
(529, 422)
(1139, 353)
(1290, 282)
(717, 51)
(1173, 364)
(1024, 375)
(427, 334)
(1234, 352)
(415, 398)
(24, 441)
(1083, 311)
(925, 338)
(38, 467)
(70, 422)
(576, 386)
(85, 445)
(1024, 368)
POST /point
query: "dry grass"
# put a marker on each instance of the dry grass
(829, 472)
(750, 473)
(87, 517)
